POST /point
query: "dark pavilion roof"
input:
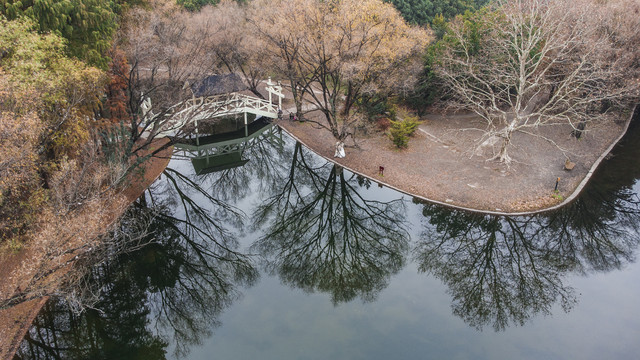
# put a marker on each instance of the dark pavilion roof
(218, 84)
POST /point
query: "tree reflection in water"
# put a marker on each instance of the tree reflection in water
(503, 270)
(268, 160)
(175, 287)
(321, 234)
(496, 270)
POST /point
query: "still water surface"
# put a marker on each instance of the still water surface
(291, 257)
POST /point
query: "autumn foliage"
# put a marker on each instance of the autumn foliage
(58, 191)
(19, 137)
(116, 109)
(48, 103)
(335, 53)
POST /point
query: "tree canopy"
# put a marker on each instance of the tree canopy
(47, 107)
(530, 63)
(423, 12)
(196, 5)
(335, 53)
(87, 25)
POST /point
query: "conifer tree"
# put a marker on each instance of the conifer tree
(87, 25)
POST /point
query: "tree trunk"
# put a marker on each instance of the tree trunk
(503, 155)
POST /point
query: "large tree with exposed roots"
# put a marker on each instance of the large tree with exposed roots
(529, 63)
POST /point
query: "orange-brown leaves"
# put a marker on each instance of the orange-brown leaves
(19, 135)
(345, 49)
(116, 105)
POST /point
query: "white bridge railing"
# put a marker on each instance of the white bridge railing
(202, 108)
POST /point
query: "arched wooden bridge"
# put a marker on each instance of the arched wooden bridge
(208, 107)
(198, 109)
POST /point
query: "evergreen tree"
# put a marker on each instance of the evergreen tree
(87, 25)
(196, 5)
(423, 12)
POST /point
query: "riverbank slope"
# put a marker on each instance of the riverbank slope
(16, 321)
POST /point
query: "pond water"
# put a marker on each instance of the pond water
(291, 257)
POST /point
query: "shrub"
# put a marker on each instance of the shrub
(401, 130)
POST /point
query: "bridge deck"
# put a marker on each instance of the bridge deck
(256, 126)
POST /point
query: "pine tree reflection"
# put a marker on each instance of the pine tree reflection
(119, 330)
(323, 235)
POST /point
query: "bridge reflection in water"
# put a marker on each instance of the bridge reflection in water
(216, 152)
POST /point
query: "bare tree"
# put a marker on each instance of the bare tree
(530, 63)
(282, 34)
(166, 48)
(234, 47)
(334, 53)
(51, 268)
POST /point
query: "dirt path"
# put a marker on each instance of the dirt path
(441, 163)
(16, 321)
